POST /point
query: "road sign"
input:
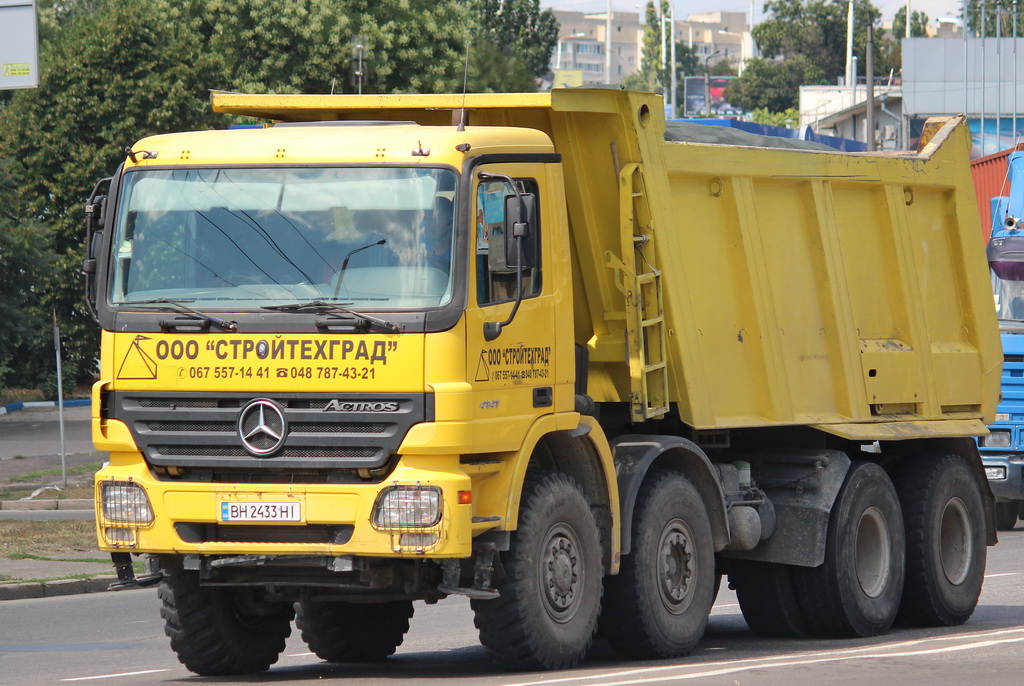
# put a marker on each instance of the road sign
(19, 44)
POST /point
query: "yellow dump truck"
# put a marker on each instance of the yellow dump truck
(524, 349)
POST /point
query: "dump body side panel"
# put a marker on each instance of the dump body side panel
(799, 287)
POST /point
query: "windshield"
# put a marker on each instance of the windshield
(1008, 288)
(377, 238)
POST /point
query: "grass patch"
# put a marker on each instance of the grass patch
(46, 579)
(26, 556)
(58, 538)
(76, 492)
(42, 474)
(24, 395)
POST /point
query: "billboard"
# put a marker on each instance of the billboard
(695, 102)
(19, 44)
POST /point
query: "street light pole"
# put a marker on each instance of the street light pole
(707, 83)
(608, 44)
(672, 37)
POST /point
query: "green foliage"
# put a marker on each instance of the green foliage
(115, 71)
(995, 20)
(774, 86)
(722, 68)
(687, 61)
(789, 119)
(512, 42)
(918, 24)
(651, 76)
(27, 264)
(815, 29)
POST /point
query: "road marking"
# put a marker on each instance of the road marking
(114, 676)
(648, 674)
(993, 576)
(301, 655)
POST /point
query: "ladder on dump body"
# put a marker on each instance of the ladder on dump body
(642, 287)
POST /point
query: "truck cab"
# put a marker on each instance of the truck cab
(1002, 451)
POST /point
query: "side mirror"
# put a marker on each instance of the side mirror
(521, 222)
(94, 216)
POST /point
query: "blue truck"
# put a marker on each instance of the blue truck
(1002, 451)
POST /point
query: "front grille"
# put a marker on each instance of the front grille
(264, 533)
(198, 430)
(213, 451)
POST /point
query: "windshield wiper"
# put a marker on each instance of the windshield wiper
(177, 305)
(336, 310)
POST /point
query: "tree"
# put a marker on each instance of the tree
(890, 48)
(110, 74)
(512, 42)
(993, 17)
(918, 24)
(789, 119)
(774, 86)
(651, 76)
(115, 71)
(816, 29)
(27, 263)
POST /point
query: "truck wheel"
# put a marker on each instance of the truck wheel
(767, 598)
(221, 630)
(353, 632)
(550, 595)
(946, 553)
(1006, 516)
(658, 605)
(856, 591)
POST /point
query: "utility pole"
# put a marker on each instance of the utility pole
(869, 69)
(608, 44)
(672, 37)
(850, 76)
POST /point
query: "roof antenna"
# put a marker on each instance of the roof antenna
(463, 115)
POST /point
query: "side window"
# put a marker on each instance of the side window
(496, 281)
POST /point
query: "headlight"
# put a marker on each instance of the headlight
(399, 507)
(995, 473)
(126, 503)
(998, 438)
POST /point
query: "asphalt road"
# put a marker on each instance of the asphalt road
(30, 441)
(118, 639)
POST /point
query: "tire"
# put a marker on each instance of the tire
(856, 591)
(220, 630)
(946, 553)
(767, 598)
(658, 604)
(550, 595)
(1006, 516)
(353, 632)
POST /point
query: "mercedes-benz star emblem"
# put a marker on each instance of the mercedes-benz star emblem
(262, 427)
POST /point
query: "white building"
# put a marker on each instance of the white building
(715, 36)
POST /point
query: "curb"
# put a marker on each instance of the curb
(77, 504)
(51, 589)
(14, 407)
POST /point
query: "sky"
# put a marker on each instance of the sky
(933, 8)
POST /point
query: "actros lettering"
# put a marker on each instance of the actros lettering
(360, 406)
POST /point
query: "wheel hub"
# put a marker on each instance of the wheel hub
(676, 566)
(873, 560)
(562, 573)
(955, 542)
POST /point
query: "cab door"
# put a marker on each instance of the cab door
(514, 376)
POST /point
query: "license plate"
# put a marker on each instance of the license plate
(260, 512)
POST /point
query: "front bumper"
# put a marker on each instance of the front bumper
(334, 519)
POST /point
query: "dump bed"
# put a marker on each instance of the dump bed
(751, 286)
